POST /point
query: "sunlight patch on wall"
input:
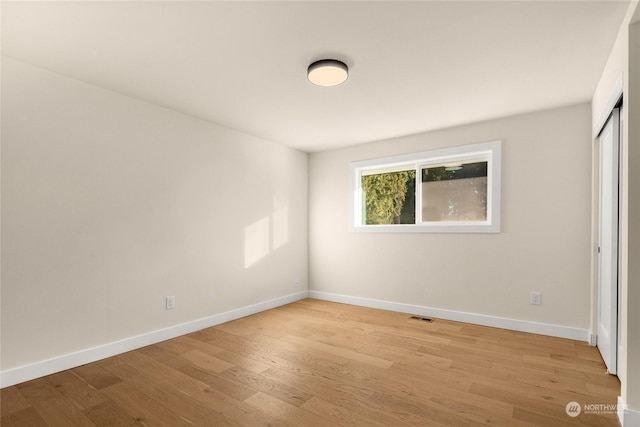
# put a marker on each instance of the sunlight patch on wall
(256, 242)
(280, 227)
(266, 235)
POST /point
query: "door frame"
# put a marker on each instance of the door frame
(614, 101)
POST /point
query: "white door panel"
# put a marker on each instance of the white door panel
(608, 243)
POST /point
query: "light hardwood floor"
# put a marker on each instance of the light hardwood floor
(316, 363)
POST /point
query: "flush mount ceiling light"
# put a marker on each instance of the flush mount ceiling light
(327, 72)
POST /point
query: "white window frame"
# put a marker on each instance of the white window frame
(489, 151)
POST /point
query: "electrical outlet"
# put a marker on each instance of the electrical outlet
(170, 303)
(535, 298)
(297, 283)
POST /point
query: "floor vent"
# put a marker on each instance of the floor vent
(424, 319)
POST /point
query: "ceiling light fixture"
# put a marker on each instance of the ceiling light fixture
(327, 72)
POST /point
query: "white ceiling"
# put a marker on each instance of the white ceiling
(414, 66)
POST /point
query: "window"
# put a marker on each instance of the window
(452, 190)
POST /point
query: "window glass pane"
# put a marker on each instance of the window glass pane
(455, 192)
(389, 198)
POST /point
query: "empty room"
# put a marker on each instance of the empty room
(320, 213)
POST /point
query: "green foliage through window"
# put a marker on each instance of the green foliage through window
(389, 198)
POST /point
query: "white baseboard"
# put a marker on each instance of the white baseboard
(459, 316)
(626, 416)
(39, 369)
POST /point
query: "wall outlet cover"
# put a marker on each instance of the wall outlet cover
(170, 302)
(536, 298)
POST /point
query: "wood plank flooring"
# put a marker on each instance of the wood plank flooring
(316, 363)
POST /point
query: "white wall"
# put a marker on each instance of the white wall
(624, 61)
(109, 204)
(544, 244)
(632, 383)
(632, 329)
